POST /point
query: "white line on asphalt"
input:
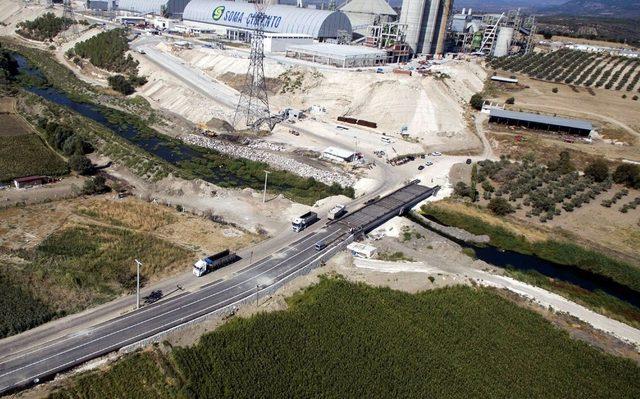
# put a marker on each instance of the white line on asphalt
(145, 310)
(153, 318)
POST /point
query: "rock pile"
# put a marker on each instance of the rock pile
(276, 160)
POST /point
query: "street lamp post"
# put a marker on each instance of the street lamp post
(138, 264)
(264, 194)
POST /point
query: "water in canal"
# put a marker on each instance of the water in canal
(178, 152)
(173, 152)
(566, 273)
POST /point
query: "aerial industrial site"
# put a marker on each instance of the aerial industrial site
(361, 198)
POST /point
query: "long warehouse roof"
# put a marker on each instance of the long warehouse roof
(544, 119)
(142, 6)
(375, 7)
(280, 18)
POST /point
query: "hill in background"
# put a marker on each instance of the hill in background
(596, 8)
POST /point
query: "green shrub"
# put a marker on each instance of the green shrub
(598, 170)
(81, 164)
(477, 101)
(500, 206)
(120, 84)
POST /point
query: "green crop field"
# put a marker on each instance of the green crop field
(342, 340)
(78, 267)
(25, 155)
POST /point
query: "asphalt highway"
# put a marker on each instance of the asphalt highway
(28, 366)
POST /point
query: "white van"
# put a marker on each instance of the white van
(386, 140)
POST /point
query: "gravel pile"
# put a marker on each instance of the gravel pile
(277, 161)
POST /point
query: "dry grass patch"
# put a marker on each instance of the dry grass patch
(130, 213)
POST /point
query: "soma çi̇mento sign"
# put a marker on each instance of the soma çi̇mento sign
(221, 14)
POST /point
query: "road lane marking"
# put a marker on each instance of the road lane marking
(250, 291)
(148, 309)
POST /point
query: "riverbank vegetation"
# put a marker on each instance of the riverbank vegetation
(45, 27)
(340, 339)
(549, 248)
(180, 159)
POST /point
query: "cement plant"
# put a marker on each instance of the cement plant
(360, 198)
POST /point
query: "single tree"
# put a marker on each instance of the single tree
(627, 174)
(500, 206)
(81, 164)
(95, 185)
(477, 101)
(598, 170)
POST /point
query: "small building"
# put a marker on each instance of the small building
(293, 114)
(540, 122)
(279, 42)
(342, 56)
(30, 181)
(339, 155)
(362, 250)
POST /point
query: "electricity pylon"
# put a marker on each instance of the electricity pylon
(253, 106)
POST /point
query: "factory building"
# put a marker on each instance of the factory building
(238, 19)
(364, 13)
(426, 22)
(341, 56)
(169, 8)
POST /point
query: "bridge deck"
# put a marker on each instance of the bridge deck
(387, 207)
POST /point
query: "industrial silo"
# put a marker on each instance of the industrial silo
(503, 42)
(411, 15)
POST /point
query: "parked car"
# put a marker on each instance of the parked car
(429, 163)
(469, 161)
(421, 167)
(436, 154)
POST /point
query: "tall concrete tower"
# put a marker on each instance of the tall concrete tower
(426, 22)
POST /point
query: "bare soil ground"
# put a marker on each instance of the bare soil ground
(26, 227)
(548, 146)
(604, 107)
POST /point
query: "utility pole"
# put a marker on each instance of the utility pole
(264, 193)
(138, 264)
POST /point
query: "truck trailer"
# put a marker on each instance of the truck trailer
(214, 262)
(337, 212)
(304, 221)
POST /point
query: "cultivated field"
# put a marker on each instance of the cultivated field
(22, 152)
(25, 155)
(576, 68)
(345, 340)
(62, 257)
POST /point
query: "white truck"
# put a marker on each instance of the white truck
(300, 223)
(213, 262)
(337, 212)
